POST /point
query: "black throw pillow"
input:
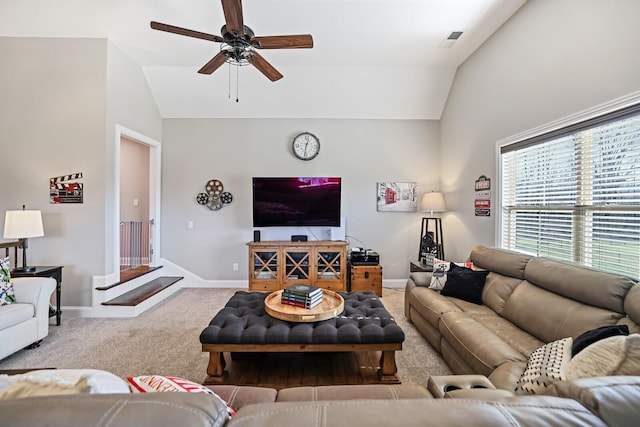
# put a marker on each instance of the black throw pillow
(583, 340)
(465, 283)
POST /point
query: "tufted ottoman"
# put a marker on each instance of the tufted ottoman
(244, 326)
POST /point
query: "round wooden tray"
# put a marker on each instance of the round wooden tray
(332, 304)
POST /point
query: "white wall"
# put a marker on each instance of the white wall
(553, 58)
(362, 152)
(52, 116)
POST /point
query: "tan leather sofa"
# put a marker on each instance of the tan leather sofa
(611, 401)
(527, 302)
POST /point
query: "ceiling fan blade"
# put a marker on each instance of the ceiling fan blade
(264, 67)
(185, 32)
(233, 15)
(296, 41)
(213, 64)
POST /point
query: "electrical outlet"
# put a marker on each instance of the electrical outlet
(235, 266)
(189, 224)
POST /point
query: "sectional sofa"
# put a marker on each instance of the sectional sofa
(611, 401)
(526, 302)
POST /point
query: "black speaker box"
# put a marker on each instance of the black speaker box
(256, 235)
(298, 238)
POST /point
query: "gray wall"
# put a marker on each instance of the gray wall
(61, 100)
(130, 103)
(52, 116)
(362, 152)
(551, 59)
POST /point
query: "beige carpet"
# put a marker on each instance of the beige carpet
(164, 341)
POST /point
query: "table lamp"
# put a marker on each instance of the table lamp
(22, 225)
(431, 242)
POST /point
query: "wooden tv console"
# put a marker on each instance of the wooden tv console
(275, 265)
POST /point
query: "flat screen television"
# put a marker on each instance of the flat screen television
(295, 202)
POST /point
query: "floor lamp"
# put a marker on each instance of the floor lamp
(431, 239)
(22, 225)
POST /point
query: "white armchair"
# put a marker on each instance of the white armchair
(27, 321)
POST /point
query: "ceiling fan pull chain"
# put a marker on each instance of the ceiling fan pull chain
(237, 82)
(229, 64)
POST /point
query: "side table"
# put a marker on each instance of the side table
(415, 266)
(54, 272)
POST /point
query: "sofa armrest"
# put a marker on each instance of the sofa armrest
(36, 291)
(441, 385)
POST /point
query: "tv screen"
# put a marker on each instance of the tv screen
(306, 201)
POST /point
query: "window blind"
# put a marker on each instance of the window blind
(574, 193)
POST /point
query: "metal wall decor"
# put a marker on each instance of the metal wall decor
(214, 197)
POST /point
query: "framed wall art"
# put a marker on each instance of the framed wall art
(397, 197)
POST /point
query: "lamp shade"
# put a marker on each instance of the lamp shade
(23, 224)
(432, 202)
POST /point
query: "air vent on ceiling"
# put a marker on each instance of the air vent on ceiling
(451, 39)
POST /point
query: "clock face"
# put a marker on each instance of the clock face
(306, 146)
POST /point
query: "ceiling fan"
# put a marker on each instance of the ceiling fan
(239, 43)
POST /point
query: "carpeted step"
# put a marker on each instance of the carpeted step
(141, 293)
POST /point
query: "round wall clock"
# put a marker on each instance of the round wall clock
(306, 146)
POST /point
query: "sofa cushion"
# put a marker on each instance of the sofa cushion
(563, 317)
(545, 366)
(115, 410)
(480, 347)
(617, 355)
(464, 283)
(587, 338)
(13, 314)
(239, 396)
(579, 283)
(523, 342)
(497, 290)
(350, 392)
(501, 261)
(632, 304)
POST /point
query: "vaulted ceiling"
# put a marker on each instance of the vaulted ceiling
(387, 59)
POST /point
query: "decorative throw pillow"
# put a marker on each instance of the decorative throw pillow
(439, 275)
(7, 296)
(45, 382)
(159, 383)
(545, 365)
(465, 283)
(617, 355)
(587, 338)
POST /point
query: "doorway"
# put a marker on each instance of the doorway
(138, 204)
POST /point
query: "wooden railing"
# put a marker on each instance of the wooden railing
(15, 245)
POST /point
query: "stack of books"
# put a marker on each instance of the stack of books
(302, 295)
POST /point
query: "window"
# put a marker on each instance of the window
(574, 193)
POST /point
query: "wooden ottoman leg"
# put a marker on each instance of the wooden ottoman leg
(388, 369)
(215, 369)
